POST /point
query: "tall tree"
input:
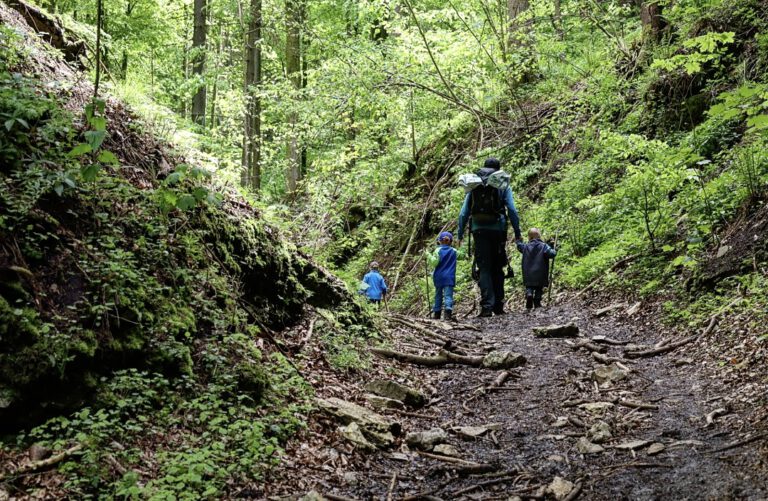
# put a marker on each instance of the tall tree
(652, 19)
(251, 176)
(198, 63)
(293, 15)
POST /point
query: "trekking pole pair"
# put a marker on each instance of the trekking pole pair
(551, 273)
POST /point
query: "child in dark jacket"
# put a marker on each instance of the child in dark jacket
(443, 259)
(536, 256)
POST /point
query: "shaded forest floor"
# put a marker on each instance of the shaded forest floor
(682, 425)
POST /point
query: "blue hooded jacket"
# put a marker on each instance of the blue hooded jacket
(377, 287)
(445, 270)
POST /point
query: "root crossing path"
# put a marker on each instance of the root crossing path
(580, 419)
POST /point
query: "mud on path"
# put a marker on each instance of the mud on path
(665, 441)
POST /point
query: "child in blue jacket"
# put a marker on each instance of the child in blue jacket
(443, 259)
(376, 286)
(536, 256)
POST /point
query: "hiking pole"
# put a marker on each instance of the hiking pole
(426, 279)
(551, 274)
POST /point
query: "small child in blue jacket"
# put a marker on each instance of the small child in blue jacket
(443, 259)
(376, 286)
(536, 256)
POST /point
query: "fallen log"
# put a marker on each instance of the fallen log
(43, 463)
(554, 331)
(443, 357)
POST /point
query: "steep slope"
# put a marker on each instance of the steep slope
(139, 299)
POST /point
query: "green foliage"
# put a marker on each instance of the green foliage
(702, 50)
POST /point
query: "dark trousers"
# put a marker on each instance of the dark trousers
(491, 257)
(533, 297)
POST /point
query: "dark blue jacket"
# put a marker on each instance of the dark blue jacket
(377, 287)
(536, 256)
(445, 270)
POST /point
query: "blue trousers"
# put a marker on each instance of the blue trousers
(446, 291)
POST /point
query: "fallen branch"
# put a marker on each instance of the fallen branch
(392, 486)
(310, 330)
(574, 493)
(413, 325)
(714, 414)
(607, 340)
(590, 346)
(733, 445)
(487, 483)
(605, 359)
(43, 463)
(637, 405)
(444, 357)
(447, 459)
(663, 349)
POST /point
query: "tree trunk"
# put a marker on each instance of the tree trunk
(652, 19)
(293, 72)
(251, 176)
(198, 63)
(514, 31)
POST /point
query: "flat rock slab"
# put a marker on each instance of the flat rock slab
(549, 331)
(475, 431)
(632, 445)
(383, 402)
(609, 374)
(375, 428)
(600, 432)
(502, 359)
(446, 450)
(559, 488)
(596, 406)
(426, 440)
(396, 391)
(584, 446)
(655, 448)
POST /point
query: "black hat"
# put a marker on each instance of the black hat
(492, 163)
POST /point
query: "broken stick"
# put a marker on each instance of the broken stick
(443, 357)
(42, 464)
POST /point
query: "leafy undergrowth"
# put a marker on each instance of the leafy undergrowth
(138, 302)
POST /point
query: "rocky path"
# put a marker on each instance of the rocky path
(563, 426)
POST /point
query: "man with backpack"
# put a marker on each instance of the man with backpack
(489, 209)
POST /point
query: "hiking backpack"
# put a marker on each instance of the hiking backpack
(487, 189)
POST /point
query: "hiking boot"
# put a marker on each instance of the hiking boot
(528, 302)
(485, 312)
(499, 311)
(449, 315)
(436, 315)
(537, 304)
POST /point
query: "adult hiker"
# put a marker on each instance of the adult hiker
(376, 288)
(536, 256)
(489, 211)
(443, 259)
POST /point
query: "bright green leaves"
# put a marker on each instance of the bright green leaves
(173, 194)
(92, 158)
(749, 101)
(702, 50)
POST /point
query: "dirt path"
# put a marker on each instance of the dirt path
(537, 422)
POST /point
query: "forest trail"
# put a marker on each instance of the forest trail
(661, 445)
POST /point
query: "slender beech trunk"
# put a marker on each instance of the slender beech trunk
(251, 176)
(293, 72)
(198, 62)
